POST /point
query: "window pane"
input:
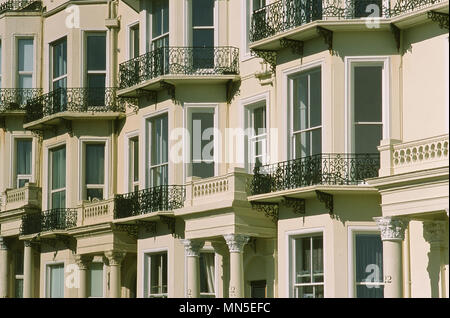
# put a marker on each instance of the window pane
(135, 156)
(96, 52)
(303, 260)
(202, 12)
(96, 280)
(362, 10)
(203, 38)
(202, 141)
(160, 17)
(368, 93)
(60, 58)
(62, 83)
(367, 138)
(95, 163)
(159, 175)
(317, 259)
(370, 291)
(18, 266)
(207, 275)
(301, 103)
(25, 81)
(259, 120)
(134, 38)
(23, 156)
(26, 55)
(59, 200)
(56, 281)
(305, 292)
(308, 143)
(94, 194)
(369, 258)
(58, 168)
(18, 288)
(258, 4)
(96, 80)
(158, 273)
(315, 99)
(159, 140)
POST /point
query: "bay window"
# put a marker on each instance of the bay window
(155, 275)
(23, 162)
(94, 170)
(25, 63)
(307, 279)
(159, 150)
(306, 105)
(201, 123)
(57, 180)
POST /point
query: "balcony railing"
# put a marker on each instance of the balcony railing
(73, 100)
(24, 5)
(16, 98)
(284, 15)
(27, 196)
(322, 169)
(179, 61)
(50, 220)
(156, 199)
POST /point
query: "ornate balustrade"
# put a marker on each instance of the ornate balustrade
(74, 100)
(16, 98)
(283, 15)
(321, 169)
(50, 220)
(179, 61)
(95, 212)
(29, 195)
(155, 199)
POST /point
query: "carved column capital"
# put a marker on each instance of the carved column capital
(236, 242)
(434, 231)
(27, 243)
(193, 247)
(3, 245)
(115, 258)
(83, 261)
(392, 229)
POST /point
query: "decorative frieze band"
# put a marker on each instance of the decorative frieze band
(392, 229)
(193, 247)
(236, 242)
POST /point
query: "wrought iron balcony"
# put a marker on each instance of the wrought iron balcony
(12, 99)
(179, 61)
(73, 100)
(156, 199)
(283, 15)
(50, 220)
(322, 169)
(24, 5)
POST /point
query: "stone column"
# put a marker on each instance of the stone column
(236, 244)
(115, 259)
(433, 232)
(3, 268)
(192, 248)
(27, 270)
(392, 234)
(83, 262)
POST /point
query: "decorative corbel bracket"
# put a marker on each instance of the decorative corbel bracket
(327, 36)
(68, 126)
(131, 229)
(441, 18)
(151, 95)
(298, 205)
(270, 209)
(2, 123)
(294, 45)
(327, 199)
(396, 32)
(170, 222)
(269, 56)
(148, 226)
(66, 241)
(170, 89)
(232, 90)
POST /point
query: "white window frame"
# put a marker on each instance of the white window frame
(146, 265)
(51, 48)
(150, 38)
(352, 232)
(130, 39)
(103, 279)
(290, 265)
(287, 99)
(82, 166)
(15, 53)
(13, 181)
(150, 137)
(128, 160)
(350, 63)
(83, 56)
(188, 109)
(188, 36)
(47, 277)
(145, 145)
(248, 105)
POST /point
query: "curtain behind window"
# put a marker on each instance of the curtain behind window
(24, 156)
(95, 163)
(56, 281)
(369, 252)
(207, 274)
